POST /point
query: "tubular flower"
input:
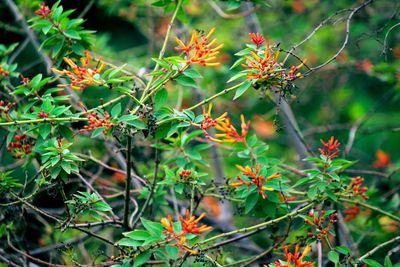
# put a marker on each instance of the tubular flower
(263, 68)
(229, 133)
(198, 51)
(188, 226)
(294, 260)
(331, 148)
(208, 121)
(43, 11)
(256, 179)
(257, 39)
(81, 77)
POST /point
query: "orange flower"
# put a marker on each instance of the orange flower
(256, 179)
(264, 67)
(3, 72)
(208, 121)
(295, 260)
(257, 39)
(331, 148)
(382, 159)
(81, 77)
(229, 133)
(198, 50)
(43, 11)
(188, 225)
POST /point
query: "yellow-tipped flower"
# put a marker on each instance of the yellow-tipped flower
(81, 77)
(255, 178)
(198, 51)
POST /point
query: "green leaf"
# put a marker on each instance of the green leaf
(154, 228)
(312, 193)
(173, 252)
(372, 263)
(142, 258)
(388, 262)
(333, 256)
(243, 88)
(237, 76)
(97, 132)
(45, 130)
(191, 73)
(72, 34)
(160, 98)
(116, 110)
(47, 106)
(343, 250)
(128, 242)
(138, 234)
(66, 166)
(186, 81)
(102, 206)
(251, 201)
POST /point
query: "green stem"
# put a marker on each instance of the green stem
(70, 119)
(255, 227)
(369, 253)
(164, 46)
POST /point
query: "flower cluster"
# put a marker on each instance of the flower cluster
(294, 260)
(188, 226)
(351, 212)
(264, 66)
(208, 121)
(331, 148)
(257, 39)
(318, 221)
(223, 124)
(3, 72)
(199, 51)
(82, 77)
(20, 147)
(43, 11)
(255, 178)
(357, 189)
(94, 122)
(5, 109)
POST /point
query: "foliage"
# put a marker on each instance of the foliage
(201, 144)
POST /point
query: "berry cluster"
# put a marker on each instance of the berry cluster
(95, 122)
(185, 174)
(357, 188)
(318, 221)
(20, 147)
